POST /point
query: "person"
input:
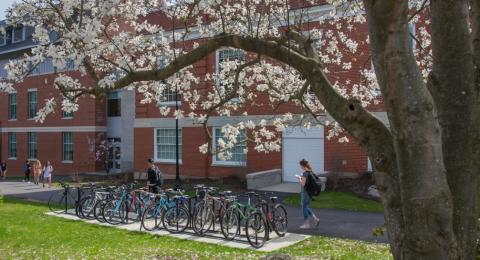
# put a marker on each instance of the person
(47, 174)
(3, 170)
(26, 170)
(37, 171)
(305, 197)
(154, 177)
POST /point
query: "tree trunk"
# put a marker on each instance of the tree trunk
(426, 198)
(452, 86)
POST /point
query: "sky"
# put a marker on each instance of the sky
(4, 4)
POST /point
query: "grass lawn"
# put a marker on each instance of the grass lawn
(27, 233)
(338, 200)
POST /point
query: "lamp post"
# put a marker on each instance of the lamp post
(178, 182)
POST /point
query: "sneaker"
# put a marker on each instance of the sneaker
(305, 226)
(23, 180)
(317, 222)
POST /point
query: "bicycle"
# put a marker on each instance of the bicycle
(177, 218)
(153, 215)
(63, 199)
(236, 214)
(209, 210)
(267, 217)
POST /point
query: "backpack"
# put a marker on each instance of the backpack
(312, 185)
(159, 176)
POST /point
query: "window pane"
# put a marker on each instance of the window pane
(238, 154)
(32, 145)
(114, 104)
(17, 34)
(67, 146)
(12, 145)
(165, 143)
(12, 106)
(32, 104)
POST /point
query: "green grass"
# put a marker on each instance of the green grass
(27, 233)
(338, 200)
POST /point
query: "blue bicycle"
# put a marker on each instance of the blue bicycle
(152, 216)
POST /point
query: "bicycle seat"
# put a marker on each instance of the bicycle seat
(250, 193)
(225, 193)
(274, 198)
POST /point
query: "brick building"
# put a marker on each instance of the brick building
(135, 131)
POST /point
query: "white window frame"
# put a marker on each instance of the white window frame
(23, 35)
(155, 146)
(10, 107)
(161, 64)
(63, 147)
(10, 145)
(216, 162)
(28, 103)
(28, 144)
(412, 29)
(217, 67)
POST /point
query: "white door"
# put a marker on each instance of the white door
(301, 143)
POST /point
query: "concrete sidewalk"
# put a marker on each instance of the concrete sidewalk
(217, 238)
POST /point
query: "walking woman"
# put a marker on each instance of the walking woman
(307, 212)
(37, 171)
(47, 174)
(3, 170)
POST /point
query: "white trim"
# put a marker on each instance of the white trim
(67, 162)
(67, 118)
(32, 89)
(12, 158)
(23, 35)
(216, 162)
(54, 129)
(168, 161)
(169, 103)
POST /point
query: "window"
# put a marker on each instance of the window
(67, 115)
(3, 71)
(165, 150)
(67, 146)
(3, 36)
(169, 97)
(32, 145)
(44, 67)
(227, 55)
(18, 34)
(239, 157)
(114, 104)
(32, 103)
(12, 145)
(12, 106)
(411, 32)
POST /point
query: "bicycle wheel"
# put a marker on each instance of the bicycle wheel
(86, 207)
(256, 230)
(151, 217)
(113, 212)
(175, 219)
(230, 224)
(280, 220)
(202, 219)
(97, 210)
(56, 202)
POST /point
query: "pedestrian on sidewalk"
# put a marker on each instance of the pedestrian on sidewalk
(37, 171)
(26, 171)
(305, 197)
(155, 177)
(3, 170)
(47, 174)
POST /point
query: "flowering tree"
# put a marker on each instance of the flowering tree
(425, 160)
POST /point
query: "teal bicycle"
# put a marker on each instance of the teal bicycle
(236, 215)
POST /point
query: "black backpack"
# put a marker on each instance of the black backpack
(159, 175)
(312, 186)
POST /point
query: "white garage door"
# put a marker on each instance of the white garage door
(301, 143)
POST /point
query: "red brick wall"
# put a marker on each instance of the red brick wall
(344, 157)
(50, 148)
(195, 163)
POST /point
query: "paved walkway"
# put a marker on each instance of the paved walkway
(334, 223)
(217, 238)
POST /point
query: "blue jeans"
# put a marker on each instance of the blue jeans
(307, 212)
